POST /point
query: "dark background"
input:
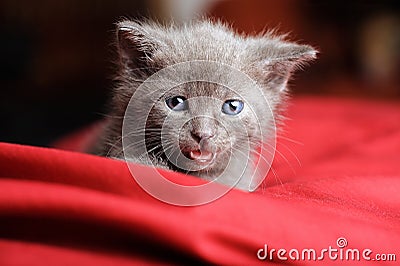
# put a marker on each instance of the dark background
(56, 69)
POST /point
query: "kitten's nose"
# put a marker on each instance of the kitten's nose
(198, 136)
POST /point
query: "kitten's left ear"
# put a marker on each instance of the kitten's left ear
(293, 54)
(280, 59)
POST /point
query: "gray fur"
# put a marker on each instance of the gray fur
(145, 48)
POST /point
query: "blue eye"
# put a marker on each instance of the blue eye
(177, 103)
(232, 107)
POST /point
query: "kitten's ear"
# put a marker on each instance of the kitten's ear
(282, 59)
(135, 44)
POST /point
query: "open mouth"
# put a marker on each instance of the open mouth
(202, 157)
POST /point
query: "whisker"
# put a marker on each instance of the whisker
(291, 140)
(260, 156)
(291, 152)
(283, 157)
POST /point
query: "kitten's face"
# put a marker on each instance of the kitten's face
(203, 124)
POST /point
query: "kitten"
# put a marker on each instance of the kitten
(198, 127)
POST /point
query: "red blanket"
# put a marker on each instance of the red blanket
(335, 191)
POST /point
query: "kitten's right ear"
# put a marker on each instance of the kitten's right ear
(135, 45)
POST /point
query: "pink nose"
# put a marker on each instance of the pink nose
(198, 136)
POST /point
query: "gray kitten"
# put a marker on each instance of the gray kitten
(205, 128)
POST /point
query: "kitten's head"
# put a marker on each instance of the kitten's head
(198, 125)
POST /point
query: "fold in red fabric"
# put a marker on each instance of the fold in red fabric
(334, 189)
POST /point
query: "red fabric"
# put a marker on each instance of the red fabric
(337, 176)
